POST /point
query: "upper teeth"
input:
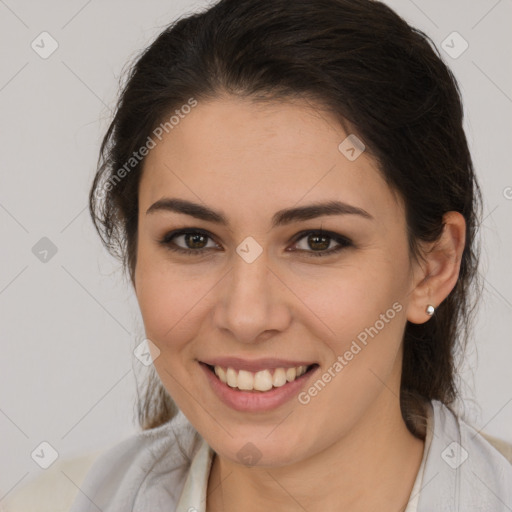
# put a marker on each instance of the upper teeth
(260, 381)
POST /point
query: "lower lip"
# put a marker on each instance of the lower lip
(256, 401)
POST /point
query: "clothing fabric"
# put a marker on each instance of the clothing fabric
(50, 490)
(193, 497)
(166, 469)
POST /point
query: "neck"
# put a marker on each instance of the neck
(373, 467)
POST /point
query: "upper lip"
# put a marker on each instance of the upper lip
(254, 365)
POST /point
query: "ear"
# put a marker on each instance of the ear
(436, 275)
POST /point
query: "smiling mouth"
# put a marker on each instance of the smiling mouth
(261, 381)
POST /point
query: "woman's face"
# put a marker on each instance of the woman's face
(263, 285)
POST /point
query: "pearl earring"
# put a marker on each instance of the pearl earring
(430, 310)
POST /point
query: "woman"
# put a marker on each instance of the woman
(290, 188)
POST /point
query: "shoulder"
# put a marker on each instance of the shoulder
(481, 448)
(484, 447)
(470, 471)
(149, 462)
(502, 446)
(142, 470)
(53, 490)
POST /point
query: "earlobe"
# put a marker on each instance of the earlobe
(439, 270)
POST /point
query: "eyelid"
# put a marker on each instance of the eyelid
(342, 241)
(331, 234)
(168, 236)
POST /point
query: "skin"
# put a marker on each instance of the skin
(249, 161)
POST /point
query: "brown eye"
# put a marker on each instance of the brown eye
(193, 241)
(318, 243)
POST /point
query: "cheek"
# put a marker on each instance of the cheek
(364, 310)
(355, 298)
(166, 299)
(364, 315)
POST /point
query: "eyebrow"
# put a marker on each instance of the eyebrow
(280, 218)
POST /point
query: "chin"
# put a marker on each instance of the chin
(255, 448)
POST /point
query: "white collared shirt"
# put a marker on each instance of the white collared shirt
(193, 496)
(167, 469)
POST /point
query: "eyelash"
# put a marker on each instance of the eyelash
(343, 241)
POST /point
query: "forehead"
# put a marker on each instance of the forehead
(232, 152)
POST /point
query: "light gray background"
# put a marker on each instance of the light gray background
(68, 326)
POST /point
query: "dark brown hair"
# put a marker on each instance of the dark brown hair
(364, 64)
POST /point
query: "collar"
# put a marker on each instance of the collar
(193, 496)
(463, 471)
(460, 471)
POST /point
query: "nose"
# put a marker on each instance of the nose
(251, 304)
